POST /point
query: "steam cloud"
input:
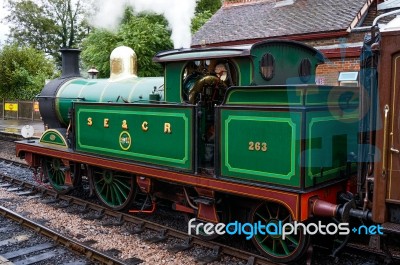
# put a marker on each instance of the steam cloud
(178, 13)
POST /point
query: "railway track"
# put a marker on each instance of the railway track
(159, 233)
(57, 238)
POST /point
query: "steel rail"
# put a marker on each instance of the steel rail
(68, 242)
(252, 258)
(165, 230)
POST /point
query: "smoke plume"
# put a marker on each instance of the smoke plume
(178, 13)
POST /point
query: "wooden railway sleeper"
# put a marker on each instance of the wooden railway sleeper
(187, 244)
(214, 256)
(138, 229)
(120, 221)
(96, 216)
(158, 238)
(64, 203)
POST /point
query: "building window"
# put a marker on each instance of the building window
(305, 70)
(267, 66)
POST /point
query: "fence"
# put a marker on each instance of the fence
(20, 110)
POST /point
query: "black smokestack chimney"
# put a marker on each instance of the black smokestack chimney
(70, 62)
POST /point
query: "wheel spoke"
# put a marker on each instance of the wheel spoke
(107, 192)
(117, 194)
(287, 218)
(102, 188)
(120, 191)
(112, 192)
(113, 189)
(272, 245)
(262, 217)
(284, 246)
(277, 213)
(269, 213)
(293, 240)
(53, 171)
(265, 238)
(122, 184)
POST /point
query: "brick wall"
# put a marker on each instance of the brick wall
(329, 72)
(350, 38)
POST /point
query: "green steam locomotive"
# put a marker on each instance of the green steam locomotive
(228, 134)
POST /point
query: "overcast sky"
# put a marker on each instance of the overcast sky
(3, 25)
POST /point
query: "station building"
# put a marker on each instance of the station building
(335, 27)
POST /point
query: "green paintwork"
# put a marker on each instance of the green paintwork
(281, 133)
(245, 70)
(103, 90)
(152, 146)
(269, 96)
(173, 81)
(294, 118)
(331, 136)
(288, 56)
(53, 137)
(285, 118)
(295, 95)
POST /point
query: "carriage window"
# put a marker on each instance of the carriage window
(305, 70)
(267, 66)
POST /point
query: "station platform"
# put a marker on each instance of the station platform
(13, 127)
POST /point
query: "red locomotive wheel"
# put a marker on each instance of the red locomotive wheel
(274, 246)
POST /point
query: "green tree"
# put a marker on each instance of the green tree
(97, 48)
(146, 34)
(47, 25)
(23, 72)
(200, 19)
(204, 11)
(208, 5)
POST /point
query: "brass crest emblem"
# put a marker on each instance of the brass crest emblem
(125, 140)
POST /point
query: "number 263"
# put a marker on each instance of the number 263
(258, 146)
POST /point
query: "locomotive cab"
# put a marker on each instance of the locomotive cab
(205, 76)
